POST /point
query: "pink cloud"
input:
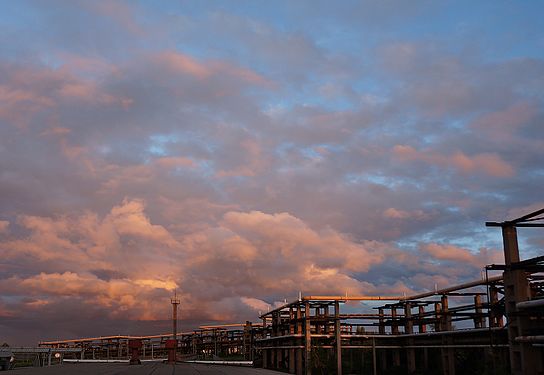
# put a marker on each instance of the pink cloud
(184, 64)
(4, 226)
(252, 163)
(121, 13)
(129, 219)
(453, 253)
(487, 163)
(393, 213)
(507, 120)
(174, 162)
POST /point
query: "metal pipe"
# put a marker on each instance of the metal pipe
(531, 304)
(353, 298)
(539, 338)
(454, 288)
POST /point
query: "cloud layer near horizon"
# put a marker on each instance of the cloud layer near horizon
(239, 157)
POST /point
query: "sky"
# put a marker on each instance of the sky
(240, 152)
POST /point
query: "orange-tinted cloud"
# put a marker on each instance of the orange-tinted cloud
(443, 252)
(4, 226)
(487, 163)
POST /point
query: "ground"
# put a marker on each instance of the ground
(154, 368)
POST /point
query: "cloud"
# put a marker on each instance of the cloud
(442, 252)
(4, 226)
(129, 219)
(487, 163)
(394, 213)
(240, 159)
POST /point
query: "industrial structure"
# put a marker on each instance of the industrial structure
(494, 325)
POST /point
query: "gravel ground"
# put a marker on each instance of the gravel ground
(149, 368)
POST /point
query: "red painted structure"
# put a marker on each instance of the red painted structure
(171, 346)
(135, 346)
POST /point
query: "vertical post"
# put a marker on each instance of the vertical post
(395, 331)
(264, 351)
(394, 321)
(307, 338)
(338, 337)
(524, 358)
(478, 318)
(292, 323)
(381, 322)
(495, 317)
(408, 323)
(422, 325)
(448, 355)
(446, 317)
(299, 341)
(374, 364)
(326, 315)
(273, 351)
(437, 316)
(409, 329)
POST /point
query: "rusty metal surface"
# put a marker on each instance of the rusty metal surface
(145, 369)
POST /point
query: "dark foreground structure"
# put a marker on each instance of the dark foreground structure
(490, 326)
(149, 368)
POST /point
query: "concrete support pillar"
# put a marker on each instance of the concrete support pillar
(496, 319)
(291, 352)
(394, 321)
(395, 331)
(478, 318)
(374, 358)
(279, 358)
(292, 364)
(381, 330)
(299, 352)
(446, 317)
(326, 329)
(448, 354)
(338, 337)
(408, 322)
(524, 357)
(408, 329)
(437, 316)
(307, 339)
(381, 321)
(421, 317)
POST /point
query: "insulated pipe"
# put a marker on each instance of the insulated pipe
(454, 288)
(354, 298)
(531, 304)
(539, 338)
